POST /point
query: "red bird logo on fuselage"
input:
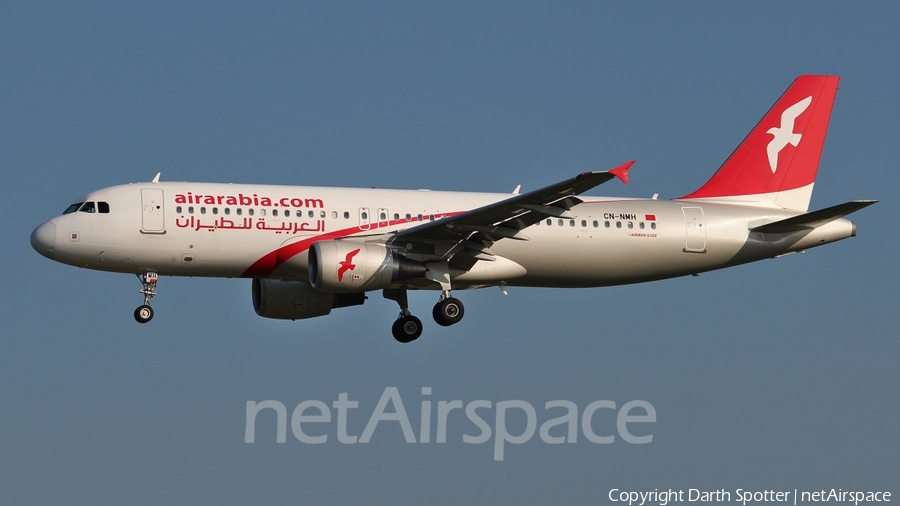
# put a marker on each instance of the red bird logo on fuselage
(347, 264)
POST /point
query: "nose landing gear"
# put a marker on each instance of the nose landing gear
(144, 313)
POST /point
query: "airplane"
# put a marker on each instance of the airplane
(309, 250)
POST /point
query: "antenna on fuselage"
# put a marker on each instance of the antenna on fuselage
(156, 179)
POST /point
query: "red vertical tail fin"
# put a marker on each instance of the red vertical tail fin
(776, 164)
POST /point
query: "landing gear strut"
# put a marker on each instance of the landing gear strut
(144, 313)
(448, 310)
(407, 328)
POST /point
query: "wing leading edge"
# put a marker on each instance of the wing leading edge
(473, 231)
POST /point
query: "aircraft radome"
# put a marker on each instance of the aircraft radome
(309, 250)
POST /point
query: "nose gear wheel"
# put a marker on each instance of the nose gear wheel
(144, 313)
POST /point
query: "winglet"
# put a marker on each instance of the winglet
(621, 171)
(156, 179)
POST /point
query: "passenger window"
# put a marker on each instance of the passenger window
(215, 210)
(103, 207)
(606, 224)
(618, 224)
(382, 216)
(334, 214)
(74, 207)
(202, 210)
(262, 212)
(274, 212)
(312, 214)
(596, 224)
(583, 223)
(238, 211)
(396, 216)
(630, 224)
(641, 225)
(549, 222)
(321, 214)
(408, 217)
(560, 223)
(250, 212)
(88, 207)
(419, 217)
(191, 210)
(571, 223)
(653, 226)
(178, 209)
(227, 211)
(365, 216)
(346, 215)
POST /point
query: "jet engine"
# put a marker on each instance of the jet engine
(350, 267)
(295, 300)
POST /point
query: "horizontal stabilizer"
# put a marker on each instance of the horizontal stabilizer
(814, 219)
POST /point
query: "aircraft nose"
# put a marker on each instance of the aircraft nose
(43, 239)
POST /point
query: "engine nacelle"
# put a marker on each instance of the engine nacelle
(295, 300)
(352, 267)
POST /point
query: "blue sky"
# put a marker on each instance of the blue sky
(776, 375)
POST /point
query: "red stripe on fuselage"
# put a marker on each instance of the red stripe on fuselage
(265, 266)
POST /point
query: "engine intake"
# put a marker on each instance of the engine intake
(295, 300)
(351, 267)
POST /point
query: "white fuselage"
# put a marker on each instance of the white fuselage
(261, 231)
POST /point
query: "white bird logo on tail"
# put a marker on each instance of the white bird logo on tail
(784, 135)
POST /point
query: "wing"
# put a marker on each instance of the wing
(467, 237)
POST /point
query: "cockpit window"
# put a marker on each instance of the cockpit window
(74, 207)
(88, 207)
(103, 207)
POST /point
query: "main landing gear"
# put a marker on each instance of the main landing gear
(144, 313)
(407, 328)
(448, 310)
